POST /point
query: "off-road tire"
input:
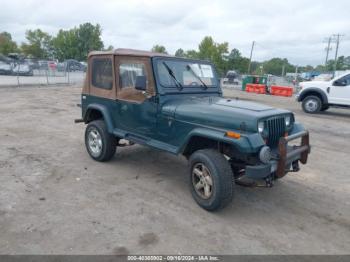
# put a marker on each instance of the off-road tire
(109, 142)
(312, 100)
(222, 177)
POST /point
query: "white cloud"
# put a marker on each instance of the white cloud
(294, 30)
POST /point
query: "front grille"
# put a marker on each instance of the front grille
(276, 128)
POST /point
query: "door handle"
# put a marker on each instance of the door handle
(146, 94)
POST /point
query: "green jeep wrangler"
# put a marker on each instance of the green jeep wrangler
(176, 105)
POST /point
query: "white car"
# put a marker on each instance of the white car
(318, 96)
(5, 68)
(23, 70)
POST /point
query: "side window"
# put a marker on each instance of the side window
(128, 73)
(102, 73)
(346, 79)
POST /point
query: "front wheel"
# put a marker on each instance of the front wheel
(312, 104)
(100, 144)
(211, 179)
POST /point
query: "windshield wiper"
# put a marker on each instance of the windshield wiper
(189, 68)
(171, 73)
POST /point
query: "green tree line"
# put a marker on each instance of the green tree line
(77, 42)
(225, 59)
(73, 43)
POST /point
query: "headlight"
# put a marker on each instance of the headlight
(287, 120)
(261, 127)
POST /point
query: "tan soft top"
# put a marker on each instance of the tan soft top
(128, 52)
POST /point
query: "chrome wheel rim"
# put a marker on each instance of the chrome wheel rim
(311, 105)
(202, 181)
(94, 142)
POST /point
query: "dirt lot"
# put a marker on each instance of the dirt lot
(54, 199)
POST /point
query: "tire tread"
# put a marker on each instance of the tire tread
(109, 141)
(225, 177)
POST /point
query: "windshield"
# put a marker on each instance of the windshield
(182, 73)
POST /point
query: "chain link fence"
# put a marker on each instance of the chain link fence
(30, 72)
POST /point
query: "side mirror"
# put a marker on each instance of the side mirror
(339, 83)
(141, 83)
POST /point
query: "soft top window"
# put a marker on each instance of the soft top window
(128, 73)
(102, 73)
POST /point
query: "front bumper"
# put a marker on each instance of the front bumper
(286, 156)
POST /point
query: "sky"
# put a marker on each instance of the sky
(295, 29)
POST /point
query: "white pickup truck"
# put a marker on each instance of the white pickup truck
(318, 96)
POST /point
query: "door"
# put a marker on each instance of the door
(136, 110)
(339, 92)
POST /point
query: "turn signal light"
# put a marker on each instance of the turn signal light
(233, 134)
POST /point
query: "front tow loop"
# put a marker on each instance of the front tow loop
(245, 181)
(269, 180)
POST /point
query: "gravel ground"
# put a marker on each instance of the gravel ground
(54, 199)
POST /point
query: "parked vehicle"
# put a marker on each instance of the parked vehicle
(175, 105)
(52, 65)
(71, 65)
(23, 69)
(5, 68)
(231, 77)
(61, 67)
(83, 63)
(32, 63)
(43, 65)
(74, 65)
(317, 96)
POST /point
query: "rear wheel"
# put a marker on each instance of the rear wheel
(100, 144)
(312, 104)
(211, 179)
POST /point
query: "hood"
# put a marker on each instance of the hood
(218, 112)
(313, 83)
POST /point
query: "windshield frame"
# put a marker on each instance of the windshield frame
(186, 89)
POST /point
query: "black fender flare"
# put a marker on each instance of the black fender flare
(103, 110)
(307, 91)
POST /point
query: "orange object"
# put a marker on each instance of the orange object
(281, 90)
(233, 134)
(256, 88)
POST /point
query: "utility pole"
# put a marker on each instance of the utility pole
(250, 58)
(328, 48)
(337, 36)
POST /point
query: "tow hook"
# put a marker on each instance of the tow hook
(295, 166)
(249, 182)
(269, 180)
